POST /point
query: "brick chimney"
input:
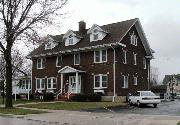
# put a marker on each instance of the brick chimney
(82, 26)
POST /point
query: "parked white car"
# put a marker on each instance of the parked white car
(178, 96)
(144, 97)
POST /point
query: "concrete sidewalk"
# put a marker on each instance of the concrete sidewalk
(87, 118)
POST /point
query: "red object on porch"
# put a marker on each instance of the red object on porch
(65, 96)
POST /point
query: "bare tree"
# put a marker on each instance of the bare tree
(154, 75)
(20, 18)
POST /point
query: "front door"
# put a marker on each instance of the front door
(72, 84)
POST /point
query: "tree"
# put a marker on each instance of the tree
(21, 18)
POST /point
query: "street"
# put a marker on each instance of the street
(167, 113)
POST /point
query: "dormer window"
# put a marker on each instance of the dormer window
(70, 39)
(48, 45)
(95, 34)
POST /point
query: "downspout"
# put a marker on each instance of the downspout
(114, 74)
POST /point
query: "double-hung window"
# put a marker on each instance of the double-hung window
(51, 83)
(100, 81)
(124, 57)
(135, 58)
(144, 63)
(59, 61)
(40, 83)
(134, 39)
(135, 80)
(41, 63)
(100, 56)
(125, 81)
(77, 59)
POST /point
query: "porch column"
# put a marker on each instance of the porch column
(77, 82)
(61, 83)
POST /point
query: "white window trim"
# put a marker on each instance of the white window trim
(135, 58)
(57, 61)
(133, 39)
(97, 33)
(100, 82)
(75, 58)
(100, 56)
(144, 63)
(135, 79)
(51, 82)
(41, 63)
(125, 57)
(124, 82)
(40, 84)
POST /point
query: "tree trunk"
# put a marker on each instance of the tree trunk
(7, 54)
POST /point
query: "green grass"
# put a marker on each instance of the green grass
(72, 105)
(19, 111)
(178, 123)
(20, 101)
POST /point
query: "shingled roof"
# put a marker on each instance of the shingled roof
(116, 32)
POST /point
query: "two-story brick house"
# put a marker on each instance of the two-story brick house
(113, 59)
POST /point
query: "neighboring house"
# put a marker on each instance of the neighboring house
(112, 59)
(160, 90)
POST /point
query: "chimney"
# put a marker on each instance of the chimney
(82, 26)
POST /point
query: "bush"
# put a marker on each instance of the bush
(31, 96)
(78, 98)
(94, 97)
(17, 96)
(48, 97)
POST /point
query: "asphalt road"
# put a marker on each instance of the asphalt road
(171, 108)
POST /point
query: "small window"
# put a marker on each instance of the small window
(70, 40)
(40, 63)
(100, 56)
(133, 38)
(51, 83)
(48, 45)
(100, 81)
(124, 57)
(135, 58)
(135, 80)
(95, 35)
(59, 61)
(125, 80)
(144, 63)
(77, 59)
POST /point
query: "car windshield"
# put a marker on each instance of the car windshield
(147, 94)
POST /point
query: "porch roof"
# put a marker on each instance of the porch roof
(68, 69)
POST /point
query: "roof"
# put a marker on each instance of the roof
(116, 32)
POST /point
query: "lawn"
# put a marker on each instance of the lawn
(178, 123)
(19, 111)
(72, 105)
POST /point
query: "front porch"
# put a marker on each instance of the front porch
(71, 80)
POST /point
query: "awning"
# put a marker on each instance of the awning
(68, 69)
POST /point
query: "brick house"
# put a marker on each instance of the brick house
(112, 59)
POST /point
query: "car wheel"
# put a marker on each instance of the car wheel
(130, 103)
(138, 104)
(155, 105)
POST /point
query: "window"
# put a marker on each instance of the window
(70, 40)
(40, 83)
(135, 61)
(135, 80)
(144, 63)
(125, 85)
(59, 61)
(51, 83)
(77, 59)
(40, 63)
(48, 45)
(100, 56)
(95, 35)
(100, 81)
(124, 57)
(133, 39)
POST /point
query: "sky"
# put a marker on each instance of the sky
(160, 20)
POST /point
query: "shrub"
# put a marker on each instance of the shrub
(94, 97)
(17, 96)
(78, 98)
(31, 96)
(48, 97)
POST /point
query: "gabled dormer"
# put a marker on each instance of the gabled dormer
(71, 38)
(50, 43)
(96, 33)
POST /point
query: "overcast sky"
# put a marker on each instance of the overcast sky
(160, 20)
